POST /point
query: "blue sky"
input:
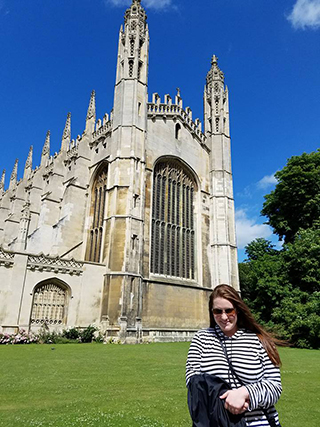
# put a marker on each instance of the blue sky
(54, 52)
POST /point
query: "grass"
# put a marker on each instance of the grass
(126, 386)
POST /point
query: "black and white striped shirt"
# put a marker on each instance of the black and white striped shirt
(250, 362)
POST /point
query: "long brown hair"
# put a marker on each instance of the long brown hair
(245, 320)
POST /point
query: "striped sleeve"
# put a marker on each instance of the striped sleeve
(267, 391)
(193, 366)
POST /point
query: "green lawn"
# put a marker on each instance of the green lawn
(124, 386)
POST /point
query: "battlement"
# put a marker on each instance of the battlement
(103, 127)
(167, 109)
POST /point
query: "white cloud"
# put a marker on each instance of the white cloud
(305, 14)
(267, 181)
(248, 229)
(149, 4)
(251, 190)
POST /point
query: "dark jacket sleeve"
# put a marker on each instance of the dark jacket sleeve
(205, 406)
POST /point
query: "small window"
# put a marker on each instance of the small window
(132, 47)
(131, 68)
(177, 131)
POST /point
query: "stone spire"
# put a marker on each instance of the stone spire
(2, 182)
(216, 101)
(28, 165)
(91, 114)
(66, 136)
(46, 150)
(14, 175)
(215, 75)
(133, 44)
(132, 68)
(222, 234)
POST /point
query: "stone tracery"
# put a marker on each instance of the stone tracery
(49, 304)
(173, 234)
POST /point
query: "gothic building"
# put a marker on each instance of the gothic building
(131, 225)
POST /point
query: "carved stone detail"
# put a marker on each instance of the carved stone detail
(6, 258)
(57, 265)
(174, 111)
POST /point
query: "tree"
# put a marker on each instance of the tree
(265, 285)
(295, 202)
(297, 319)
(258, 248)
(282, 288)
(302, 260)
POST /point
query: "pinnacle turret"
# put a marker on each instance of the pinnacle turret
(216, 101)
(133, 45)
(66, 136)
(14, 176)
(28, 165)
(46, 150)
(2, 182)
(215, 74)
(91, 114)
(135, 18)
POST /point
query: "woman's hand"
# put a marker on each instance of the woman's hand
(237, 400)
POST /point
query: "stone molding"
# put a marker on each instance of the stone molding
(6, 258)
(57, 265)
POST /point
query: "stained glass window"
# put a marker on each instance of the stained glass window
(98, 202)
(172, 235)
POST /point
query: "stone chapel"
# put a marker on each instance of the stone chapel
(131, 225)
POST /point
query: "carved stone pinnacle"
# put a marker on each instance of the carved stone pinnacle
(214, 60)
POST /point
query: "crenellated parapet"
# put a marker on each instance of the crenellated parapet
(72, 153)
(103, 128)
(48, 170)
(170, 110)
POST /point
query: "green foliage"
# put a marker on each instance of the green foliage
(265, 284)
(87, 334)
(52, 337)
(298, 319)
(295, 202)
(259, 247)
(71, 333)
(302, 260)
(282, 289)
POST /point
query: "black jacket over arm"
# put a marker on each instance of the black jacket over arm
(205, 406)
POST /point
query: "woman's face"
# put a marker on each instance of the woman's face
(225, 316)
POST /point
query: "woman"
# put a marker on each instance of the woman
(239, 351)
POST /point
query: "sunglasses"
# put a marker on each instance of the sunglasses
(228, 311)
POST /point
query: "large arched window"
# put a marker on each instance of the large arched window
(173, 234)
(49, 304)
(98, 201)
